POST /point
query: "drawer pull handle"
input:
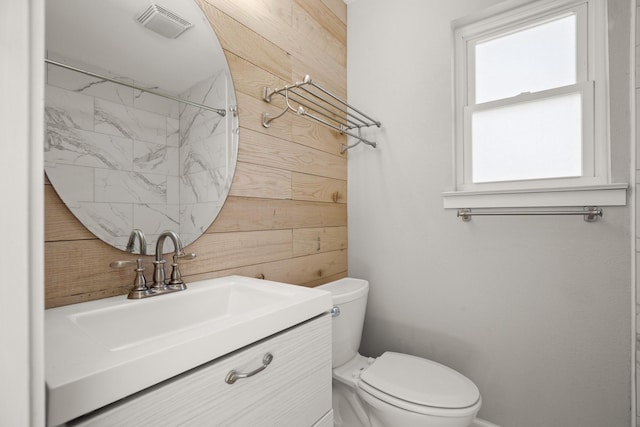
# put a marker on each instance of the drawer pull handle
(234, 375)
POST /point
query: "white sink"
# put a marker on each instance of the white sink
(101, 351)
(204, 308)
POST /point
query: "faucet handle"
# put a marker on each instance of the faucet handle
(184, 256)
(176, 282)
(139, 289)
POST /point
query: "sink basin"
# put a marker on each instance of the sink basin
(101, 351)
(202, 309)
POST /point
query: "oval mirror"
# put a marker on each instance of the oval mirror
(141, 118)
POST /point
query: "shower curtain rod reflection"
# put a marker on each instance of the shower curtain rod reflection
(221, 112)
(590, 214)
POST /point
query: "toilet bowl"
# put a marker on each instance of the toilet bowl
(395, 389)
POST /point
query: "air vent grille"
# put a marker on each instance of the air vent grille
(164, 22)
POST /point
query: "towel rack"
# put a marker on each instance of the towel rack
(590, 214)
(319, 104)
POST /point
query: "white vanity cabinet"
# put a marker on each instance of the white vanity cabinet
(294, 390)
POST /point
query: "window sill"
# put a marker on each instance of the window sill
(601, 195)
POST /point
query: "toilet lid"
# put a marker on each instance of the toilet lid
(420, 381)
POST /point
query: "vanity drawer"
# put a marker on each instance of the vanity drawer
(294, 390)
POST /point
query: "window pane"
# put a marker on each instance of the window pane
(533, 140)
(535, 59)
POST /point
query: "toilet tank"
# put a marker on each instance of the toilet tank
(350, 297)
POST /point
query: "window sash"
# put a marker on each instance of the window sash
(517, 24)
(592, 68)
(595, 138)
(589, 155)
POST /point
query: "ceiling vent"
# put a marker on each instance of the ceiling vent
(163, 21)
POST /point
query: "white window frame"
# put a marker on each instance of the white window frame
(594, 187)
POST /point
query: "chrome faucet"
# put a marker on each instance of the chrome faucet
(175, 282)
(160, 285)
(137, 233)
(139, 289)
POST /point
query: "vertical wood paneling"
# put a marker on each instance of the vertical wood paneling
(281, 221)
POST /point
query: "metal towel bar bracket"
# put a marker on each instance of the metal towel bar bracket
(590, 214)
(317, 103)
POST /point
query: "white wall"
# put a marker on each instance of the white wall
(535, 310)
(21, 252)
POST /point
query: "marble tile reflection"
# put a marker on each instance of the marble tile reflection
(196, 218)
(173, 132)
(156, 104)
(123, 159)
(92, 86)
(74, 184)
(205, 154)
(197, 124)
(154, 219)
(113, 219)
(155, 158)
(122, 120)
(129, 187)
(66, 109)
(65, 145)
(202, 187)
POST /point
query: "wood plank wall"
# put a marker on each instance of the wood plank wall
(282, 220)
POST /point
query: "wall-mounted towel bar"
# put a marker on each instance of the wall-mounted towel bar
(219, 111)
(317, 103)
(590, 214)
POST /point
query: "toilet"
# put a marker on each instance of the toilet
(395, 389)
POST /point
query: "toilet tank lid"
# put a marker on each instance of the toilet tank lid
(347, 289)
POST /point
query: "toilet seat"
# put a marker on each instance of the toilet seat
(419, 385)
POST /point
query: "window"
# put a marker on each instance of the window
(531, 107)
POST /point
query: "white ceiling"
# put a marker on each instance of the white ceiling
(106, 35)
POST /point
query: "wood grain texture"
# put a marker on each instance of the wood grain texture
(249, 79)
(267, 150)
(310, 270)
(282, 195)
(294, 389)
(249, 214)
(246, 43)
(325, 16)
(322, 32)
(252, 180)
(318, 188)
(251, 109)
(307, 241)
(270, 19)
(338, 9)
